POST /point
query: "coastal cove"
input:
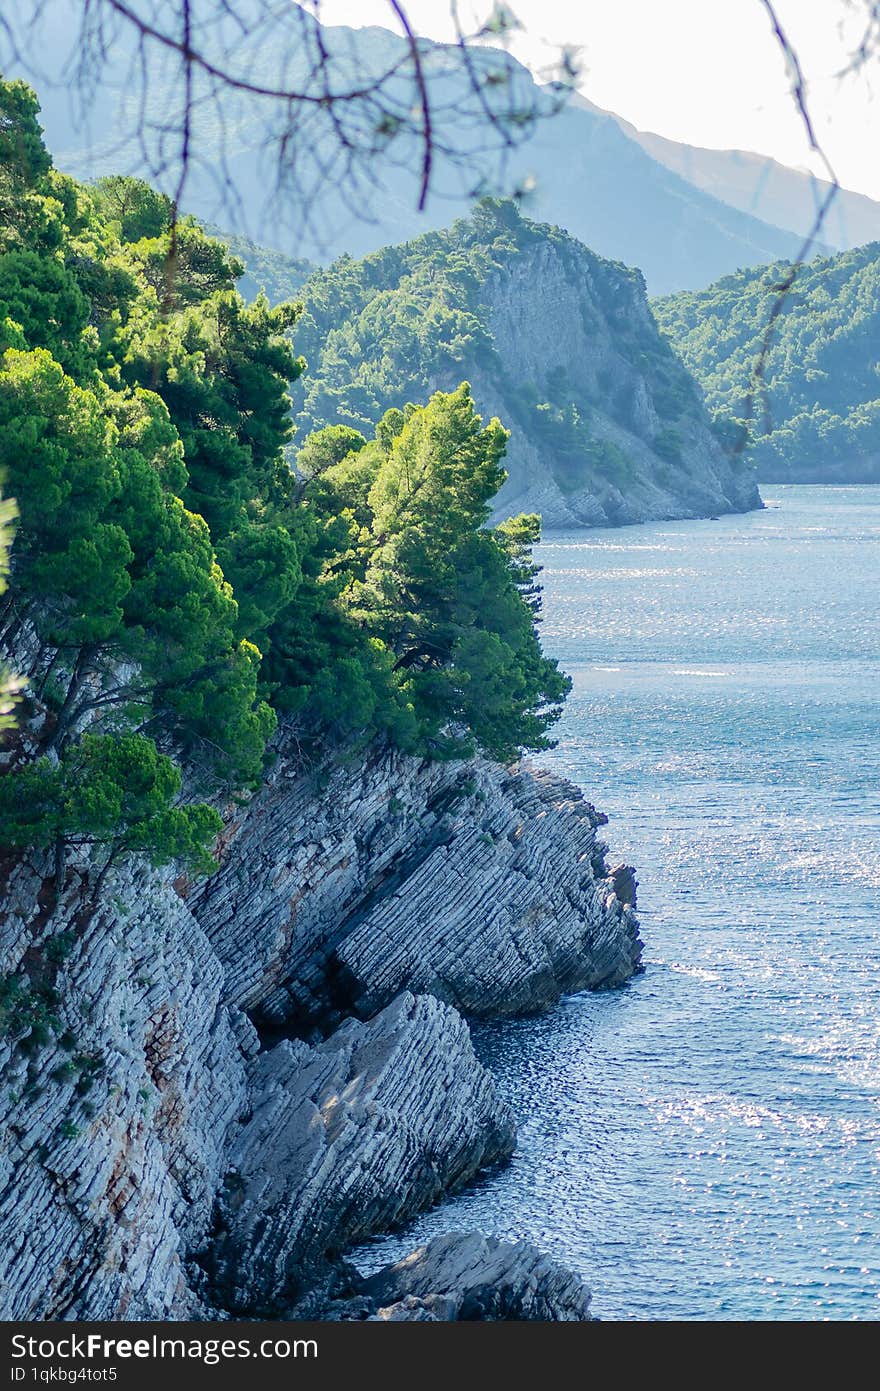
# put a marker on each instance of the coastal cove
(704, 1143)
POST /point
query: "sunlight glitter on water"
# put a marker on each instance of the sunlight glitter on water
(705, 1143)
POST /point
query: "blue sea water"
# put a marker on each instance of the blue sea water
(705, 1143)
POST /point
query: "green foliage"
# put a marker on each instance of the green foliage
(377, 332)
(443, 594)
(56, 451)
(23, 157)
(822, 407)
(267, 272)
(182, 584)
(27, 1014)
(222, 369)
(113, 791)
(325, 448)
(106, 335)
(668, 444)
(8, 685)
(132, 208)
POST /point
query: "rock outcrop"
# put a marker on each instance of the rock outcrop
(348, 1139)
(606, 424)
(464, 1275)
(162, 1156)
(483, 886)
(561, 312)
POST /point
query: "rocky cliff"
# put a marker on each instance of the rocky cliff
(211, 1091)
(644, 450)
(607, 426)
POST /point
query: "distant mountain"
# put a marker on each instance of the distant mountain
(821, 419)
(606, 424)
(592, 177)
(601, 186)
(764, 188)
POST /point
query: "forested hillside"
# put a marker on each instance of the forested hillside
(606, 424)
(820, 421)
(173, 587)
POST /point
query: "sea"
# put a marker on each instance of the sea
(704, 1143)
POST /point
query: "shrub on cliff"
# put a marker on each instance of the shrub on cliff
(114, 794)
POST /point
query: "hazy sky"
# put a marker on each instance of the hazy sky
(707, 72)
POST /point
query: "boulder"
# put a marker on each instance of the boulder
(465, 1275)
(347, 1139)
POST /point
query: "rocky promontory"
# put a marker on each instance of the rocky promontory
(607, 426)
(211, 1091)
(483, 886)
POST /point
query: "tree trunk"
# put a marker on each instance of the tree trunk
(105, 868)
(68, 711)
(44, 679)
(10, 633)
(60, 866)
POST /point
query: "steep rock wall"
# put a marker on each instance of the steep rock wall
(143, 1158)
(486, 887)
(114, 1126)
(552, 311)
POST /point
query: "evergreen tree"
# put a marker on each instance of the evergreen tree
(444, 593)
(114, 794)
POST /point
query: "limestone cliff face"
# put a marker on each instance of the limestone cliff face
(485, 887)
(114, 1126)
(556, 312)
(346, 1139)
(162, 1156)
(606, 424)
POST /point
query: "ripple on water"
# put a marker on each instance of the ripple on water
(705, 1143)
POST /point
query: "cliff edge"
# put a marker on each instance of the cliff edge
(211, 1091)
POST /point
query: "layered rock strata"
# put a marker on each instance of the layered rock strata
(162, 1157)
(348, 1139)
(464, 1275)
(115, 1107)
(486, 887)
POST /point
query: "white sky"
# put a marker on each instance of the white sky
(706, 72)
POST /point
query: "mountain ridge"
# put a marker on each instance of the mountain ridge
(757, 184)
(592, 179)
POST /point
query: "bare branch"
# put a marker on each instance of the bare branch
(203, 82)
(421, 84)
(799, 96)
